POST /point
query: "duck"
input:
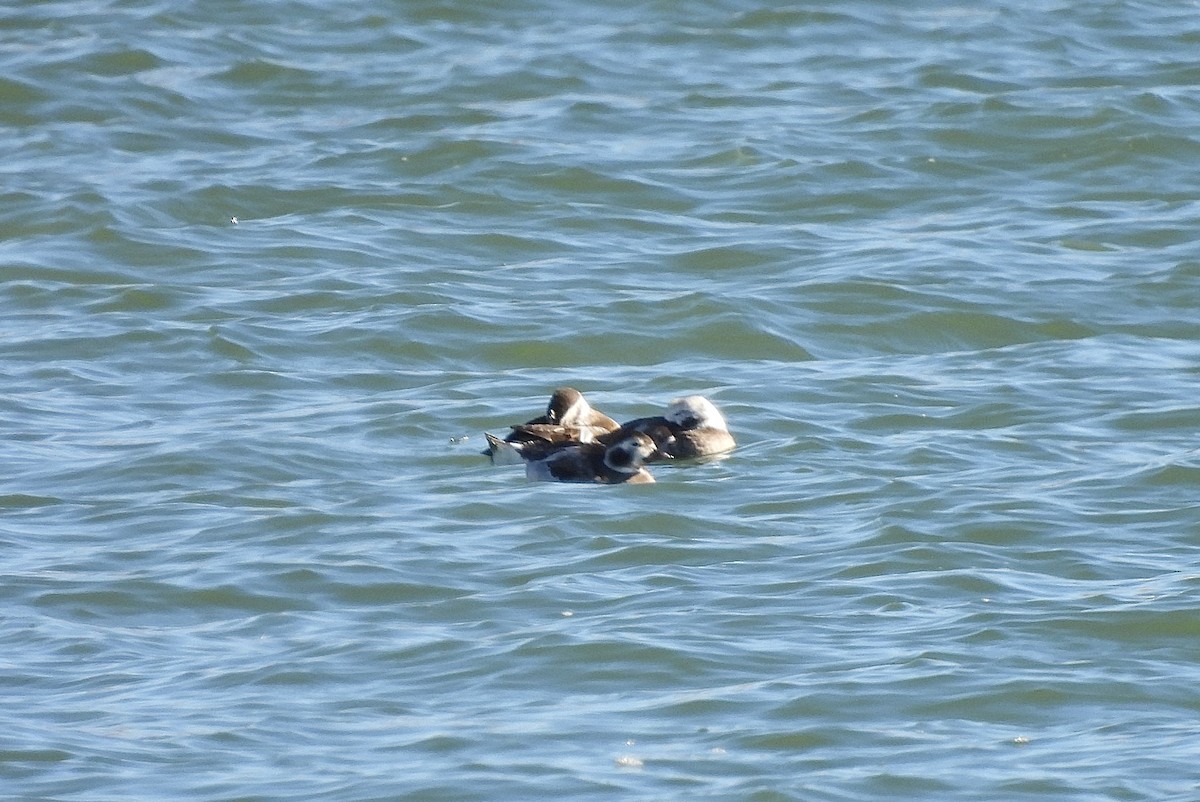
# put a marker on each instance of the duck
(569, 420)
(620, 462)
(699, 427)
(691, 427)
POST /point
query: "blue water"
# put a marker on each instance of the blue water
(268, 272)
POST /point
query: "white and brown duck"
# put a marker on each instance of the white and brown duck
(691, 427)
(621, 462)
(569, 420)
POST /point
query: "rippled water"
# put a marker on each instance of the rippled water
(269, 270)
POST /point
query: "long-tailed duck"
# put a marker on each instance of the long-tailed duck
(618, 463)
(700, 429)
(692, 427)
(569, 419)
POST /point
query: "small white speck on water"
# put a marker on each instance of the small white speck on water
(629, 762)
(233, 220)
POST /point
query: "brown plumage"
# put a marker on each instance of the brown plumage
(622, 462)
(569, 419)
(692, 427)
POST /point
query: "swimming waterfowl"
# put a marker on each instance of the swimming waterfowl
(569, 419)
(622, 462)
(699, 427)
(691, 427)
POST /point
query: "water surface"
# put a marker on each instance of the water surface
(269, 271)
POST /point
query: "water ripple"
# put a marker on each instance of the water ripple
(267, 281)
